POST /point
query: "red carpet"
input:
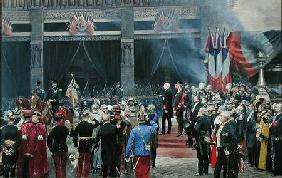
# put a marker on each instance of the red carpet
(171, 146)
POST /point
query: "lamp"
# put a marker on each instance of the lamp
(261, 58)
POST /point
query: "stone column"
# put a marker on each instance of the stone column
(127, 47)
(36, 49)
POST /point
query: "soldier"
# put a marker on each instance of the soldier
(139, 139)
(39, 91)
(179, 106)
(10, 142)
(34, 137)
(56, 142)
(54, 96)
(131, 112)
(82, 138)
(167, 108)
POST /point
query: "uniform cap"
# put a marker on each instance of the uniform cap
(60, 113)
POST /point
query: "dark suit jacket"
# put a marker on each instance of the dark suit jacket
(195, 111)
(108, 134)
(167, 101)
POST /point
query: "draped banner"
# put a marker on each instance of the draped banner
(244, 46)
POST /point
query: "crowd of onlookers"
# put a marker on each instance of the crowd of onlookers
(226, 129)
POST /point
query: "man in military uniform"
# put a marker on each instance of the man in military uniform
(39, 91)
(54, 96)
(179, 106)
(82, 138)
(10, 142)
(131, 112)
(56, 142)
(34, 135)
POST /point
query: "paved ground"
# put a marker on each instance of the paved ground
(180, 168)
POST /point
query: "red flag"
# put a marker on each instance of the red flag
(236, 52)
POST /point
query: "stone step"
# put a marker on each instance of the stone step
(171, 140)
(176, 152)
(171, 145)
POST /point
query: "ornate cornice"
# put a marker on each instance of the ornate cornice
(187, 12)
(113, 14)
(82, 38)
(66, 15)
(16, 39)
(17, 16)
(165, 36)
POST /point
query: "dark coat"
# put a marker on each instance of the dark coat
(56, 139)
(251, 132)
(108, 133)
(228, 136)
(195, 111)
(167, 102)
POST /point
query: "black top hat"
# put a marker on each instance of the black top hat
(38, 82)
(179, 82)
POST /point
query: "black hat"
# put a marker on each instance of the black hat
(180, 82)
(54, 81)
(38, 82)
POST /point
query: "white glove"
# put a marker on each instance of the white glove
(40, 137)
(24, 137)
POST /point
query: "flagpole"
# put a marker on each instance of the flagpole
(72, 88)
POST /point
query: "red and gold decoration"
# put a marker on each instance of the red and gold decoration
(6, 27)
(166, 20)
(81, 23)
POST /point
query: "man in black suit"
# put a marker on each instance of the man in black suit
(197, 105)
(167, 108)
(108, 134)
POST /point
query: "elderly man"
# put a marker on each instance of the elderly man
(167, 108)
(227, 145)
(203, 138)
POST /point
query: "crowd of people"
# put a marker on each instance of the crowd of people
(118, 137)
(226, 128)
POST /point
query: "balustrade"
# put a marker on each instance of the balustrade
(65, 4)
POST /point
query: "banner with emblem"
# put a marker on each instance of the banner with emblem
(73, 92)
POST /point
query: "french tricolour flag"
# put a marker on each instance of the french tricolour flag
(226, 74)
(214, 56)
(243, 47)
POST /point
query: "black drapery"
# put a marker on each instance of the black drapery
(15, 69)
(101, 58)
(105, 57)
(58, 57)
(178, 58)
